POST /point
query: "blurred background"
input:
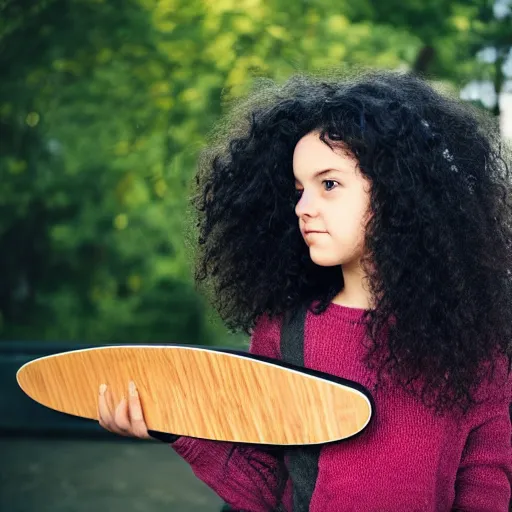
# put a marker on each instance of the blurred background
(104, 107)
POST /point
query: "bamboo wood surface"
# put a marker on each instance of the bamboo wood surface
(202, 393)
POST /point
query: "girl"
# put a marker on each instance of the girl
(385, 207)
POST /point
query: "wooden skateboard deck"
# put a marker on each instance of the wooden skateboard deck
(207, 393)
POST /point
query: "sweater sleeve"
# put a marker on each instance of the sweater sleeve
(245, 477)
(484, 476)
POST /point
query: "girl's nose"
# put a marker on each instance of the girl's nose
(306, 206)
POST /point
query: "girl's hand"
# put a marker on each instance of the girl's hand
(127, 418)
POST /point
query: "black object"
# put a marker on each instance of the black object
(163, 436)
(303, 460)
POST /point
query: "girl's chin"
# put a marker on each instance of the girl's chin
(326, 263)
(323, 260)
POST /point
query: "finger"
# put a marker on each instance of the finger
(122, 417)
(138, 424)
(104, 414)
(105, 406)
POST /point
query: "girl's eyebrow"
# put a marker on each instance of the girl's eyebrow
(321, 173)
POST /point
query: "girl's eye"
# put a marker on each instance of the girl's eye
(298, 194)
(330, 184)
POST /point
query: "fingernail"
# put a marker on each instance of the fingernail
(103, 388)
(132, 388)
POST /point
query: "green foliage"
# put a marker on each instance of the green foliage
(104, 106)
(91, 231)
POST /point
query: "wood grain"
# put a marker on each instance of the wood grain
(202, 393)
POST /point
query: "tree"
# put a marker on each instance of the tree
(491, 32)
(90, 239)
(104, 107)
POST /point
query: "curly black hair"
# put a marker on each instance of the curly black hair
(437, 247)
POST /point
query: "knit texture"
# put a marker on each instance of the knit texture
(408, 459)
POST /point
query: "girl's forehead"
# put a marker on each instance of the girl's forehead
(312, 155)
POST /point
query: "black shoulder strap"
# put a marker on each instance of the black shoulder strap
(292, 336)
(303, 460)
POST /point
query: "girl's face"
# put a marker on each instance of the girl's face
(333, 202)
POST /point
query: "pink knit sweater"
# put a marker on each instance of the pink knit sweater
(407, 460)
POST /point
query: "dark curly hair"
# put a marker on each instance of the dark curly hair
(437, 248)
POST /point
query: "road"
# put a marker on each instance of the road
(57, 475)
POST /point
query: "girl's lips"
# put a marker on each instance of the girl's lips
(311, 235)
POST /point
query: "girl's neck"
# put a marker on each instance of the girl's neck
(354, 293)
(343, 299)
